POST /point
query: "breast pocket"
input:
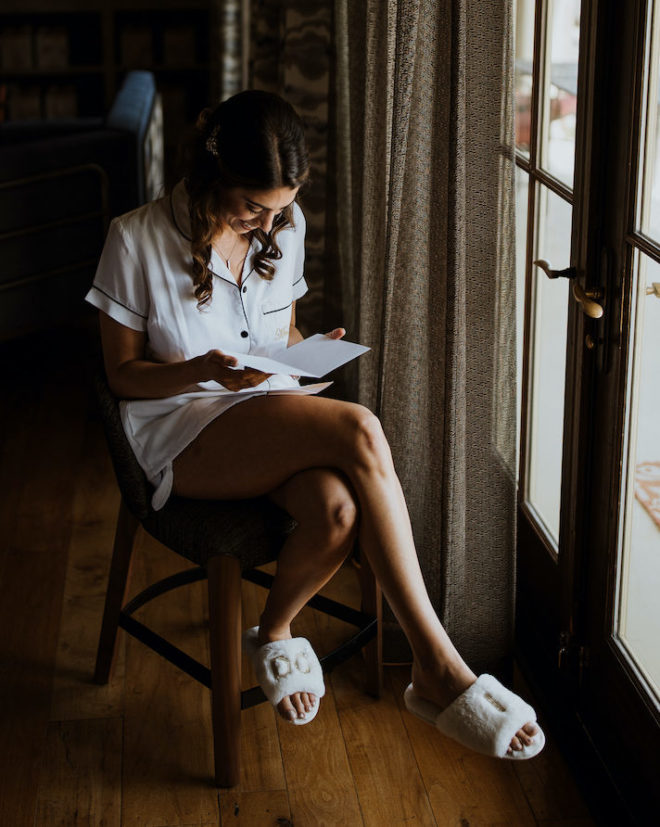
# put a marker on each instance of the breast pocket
(275, 322)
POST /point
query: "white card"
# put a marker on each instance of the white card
(304, 390)
(315, 356)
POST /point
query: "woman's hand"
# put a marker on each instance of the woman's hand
(337, 333)
(216, 366)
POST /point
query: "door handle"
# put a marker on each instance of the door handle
(654, 289)
(587, 299)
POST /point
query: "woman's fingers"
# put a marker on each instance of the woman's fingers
(218, 358)
(337, 333)
(248, 378)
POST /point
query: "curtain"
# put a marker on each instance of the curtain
(427, 280)
(291, 54)
(229, 46)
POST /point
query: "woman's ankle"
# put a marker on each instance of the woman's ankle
(269, 632)
(451, 676)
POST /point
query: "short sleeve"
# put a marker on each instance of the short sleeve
(119, 287)
(299, 283)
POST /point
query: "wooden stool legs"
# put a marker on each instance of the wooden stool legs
(224, 583)
(372, 603)
(125, 532)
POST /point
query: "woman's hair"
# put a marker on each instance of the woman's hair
(253, 140)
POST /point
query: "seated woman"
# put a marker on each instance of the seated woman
(218, 266)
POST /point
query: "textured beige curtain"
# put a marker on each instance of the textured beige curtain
(425, 206)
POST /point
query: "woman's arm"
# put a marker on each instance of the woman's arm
(131, 376)
(295, 335)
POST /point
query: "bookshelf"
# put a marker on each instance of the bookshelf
(66, 59)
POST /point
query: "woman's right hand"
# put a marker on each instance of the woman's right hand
(217, 366)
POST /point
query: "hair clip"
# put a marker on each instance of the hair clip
(211, 141)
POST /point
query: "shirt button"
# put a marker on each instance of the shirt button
(245, 289)
(244, 334)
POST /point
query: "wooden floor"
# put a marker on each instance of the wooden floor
(138, 751)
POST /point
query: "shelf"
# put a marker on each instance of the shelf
(98, 6)
(67, 58)
(165, 68)
(54, 73)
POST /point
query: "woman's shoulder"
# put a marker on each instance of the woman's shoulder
(293, 234)
(139, 224)
(299, 222)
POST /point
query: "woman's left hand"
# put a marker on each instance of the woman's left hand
(337, 333)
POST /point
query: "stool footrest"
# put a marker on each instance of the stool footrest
(367, 627)
(163, 647)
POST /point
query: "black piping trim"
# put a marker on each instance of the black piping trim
(298, 281)
(121, 304)
(223, 278)
(286, 307)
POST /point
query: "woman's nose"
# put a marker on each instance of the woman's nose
(267, 220)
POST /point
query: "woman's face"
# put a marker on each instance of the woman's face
(245, 210)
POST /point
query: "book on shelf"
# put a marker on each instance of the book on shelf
(179, 46)
(52, 47)
(16, 48)
(61, 101)
(24, 102)
(136, 47)
(3, 102)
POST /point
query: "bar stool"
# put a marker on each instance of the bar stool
(227, 541)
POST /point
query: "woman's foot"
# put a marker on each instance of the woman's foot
(300, 704)
(442, 685)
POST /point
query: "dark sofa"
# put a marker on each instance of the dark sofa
(60, 183)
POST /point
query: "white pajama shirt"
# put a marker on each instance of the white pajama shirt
(143, 281)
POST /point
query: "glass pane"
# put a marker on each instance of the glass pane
(639, 587)
(648, 211)
(560, 93)
(548, 362)
(522, 189)
(523, 79)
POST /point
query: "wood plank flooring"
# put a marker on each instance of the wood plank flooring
(138, 751)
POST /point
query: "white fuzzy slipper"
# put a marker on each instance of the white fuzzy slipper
(285, 667)
(484, 718)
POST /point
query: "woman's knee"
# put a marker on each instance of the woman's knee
(322, 501)
(341, 517)
(367, 440)
(332, 513)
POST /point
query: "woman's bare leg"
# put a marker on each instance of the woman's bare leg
(321, 502)
(283, 435)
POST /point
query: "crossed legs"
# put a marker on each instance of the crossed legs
(325, 461)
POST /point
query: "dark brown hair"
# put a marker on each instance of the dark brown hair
(253, 140)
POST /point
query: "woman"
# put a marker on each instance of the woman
(218, 266)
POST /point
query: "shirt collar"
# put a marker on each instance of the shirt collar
(180, 211)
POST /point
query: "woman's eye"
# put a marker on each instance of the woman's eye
(253, 210)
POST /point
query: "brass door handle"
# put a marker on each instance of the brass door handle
(586, 298)
(654, 289)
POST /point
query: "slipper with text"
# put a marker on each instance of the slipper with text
(285, 667)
